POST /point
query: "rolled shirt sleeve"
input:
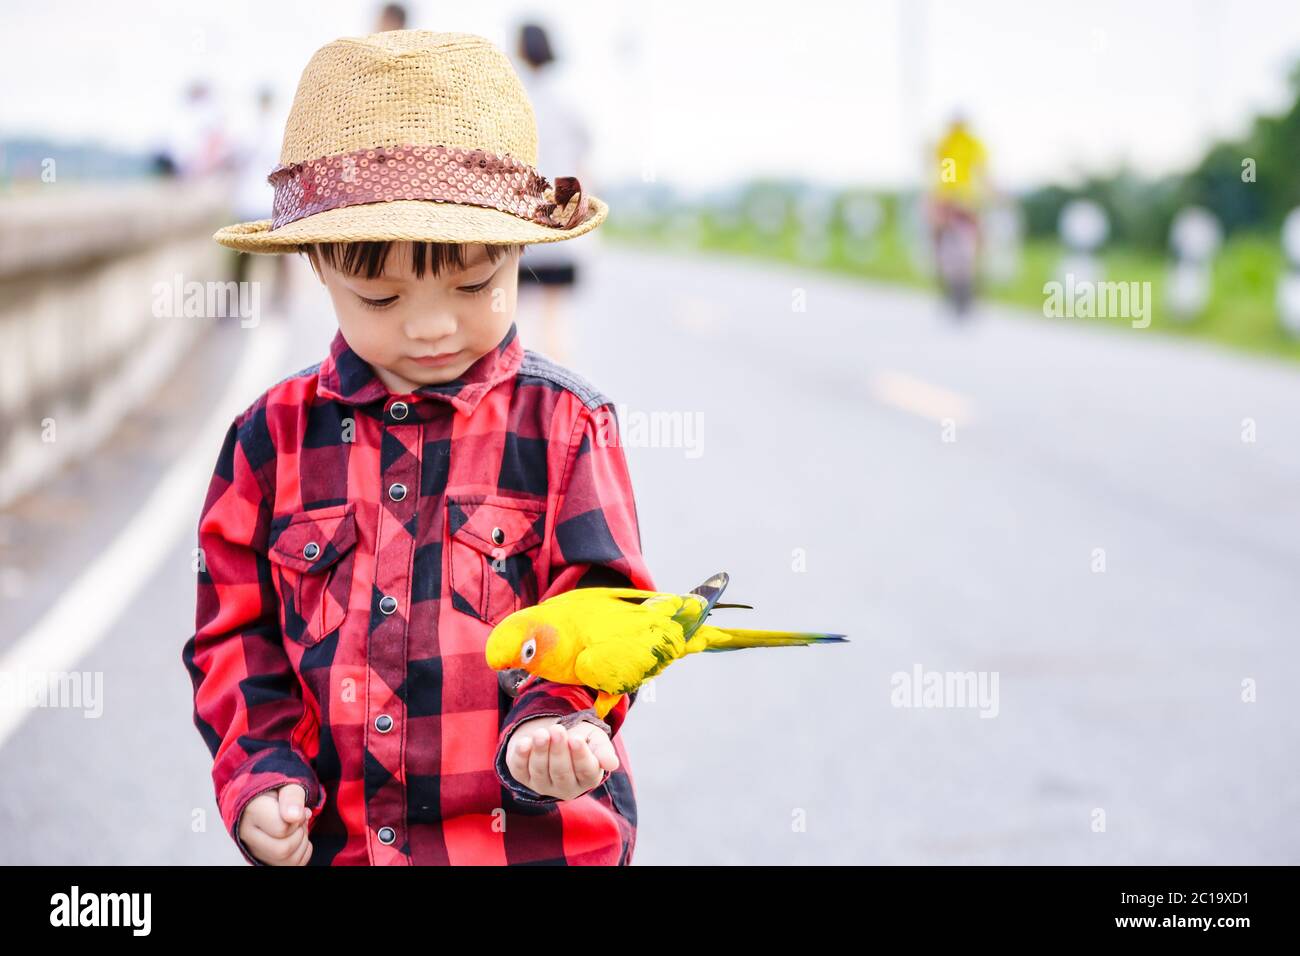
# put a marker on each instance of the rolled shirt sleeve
(248, 705)
(597, 543)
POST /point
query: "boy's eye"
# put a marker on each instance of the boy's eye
(377, 303)
(473, 289)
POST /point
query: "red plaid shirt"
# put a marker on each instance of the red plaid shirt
(357, 548)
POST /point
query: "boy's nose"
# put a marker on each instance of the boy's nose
(432, 329)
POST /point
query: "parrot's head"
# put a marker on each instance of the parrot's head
(524, 639)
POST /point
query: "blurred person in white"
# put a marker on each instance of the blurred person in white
(253, 193)
(549, 271)
(198, 144)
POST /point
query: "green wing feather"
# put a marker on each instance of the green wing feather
(700, 601)
(691, 612)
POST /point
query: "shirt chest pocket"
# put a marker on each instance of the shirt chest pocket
(494, 542)
(311, 554)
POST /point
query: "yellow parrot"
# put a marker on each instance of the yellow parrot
(614, 639)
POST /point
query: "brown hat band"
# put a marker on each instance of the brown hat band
(452, 174)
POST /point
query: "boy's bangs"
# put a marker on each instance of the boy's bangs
(367, 259)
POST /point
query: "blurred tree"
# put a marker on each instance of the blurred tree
(1249, 184)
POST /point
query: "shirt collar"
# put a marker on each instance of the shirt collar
(346, 377)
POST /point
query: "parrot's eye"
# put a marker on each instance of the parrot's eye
(529, 649)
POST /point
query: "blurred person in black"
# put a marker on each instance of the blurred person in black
(550, 270)
(253, 193)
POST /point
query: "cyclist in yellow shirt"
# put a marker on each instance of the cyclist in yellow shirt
(960, 189)
(961, 168)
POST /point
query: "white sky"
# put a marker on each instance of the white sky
(710, 91)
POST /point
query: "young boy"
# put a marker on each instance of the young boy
(372, 517)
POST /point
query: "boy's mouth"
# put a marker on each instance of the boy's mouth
(433, 361)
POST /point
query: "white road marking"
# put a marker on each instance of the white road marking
(91, 606)
(933, 402)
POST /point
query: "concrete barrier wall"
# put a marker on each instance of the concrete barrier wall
(80, 343)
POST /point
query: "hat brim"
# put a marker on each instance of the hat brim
(417, 220)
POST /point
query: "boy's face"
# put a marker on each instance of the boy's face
(392, 320)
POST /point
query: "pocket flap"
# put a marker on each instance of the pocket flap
(496, 525)
(311, 541)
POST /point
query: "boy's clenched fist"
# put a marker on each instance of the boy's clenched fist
(274, 826)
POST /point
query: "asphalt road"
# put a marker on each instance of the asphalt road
(1067, 510)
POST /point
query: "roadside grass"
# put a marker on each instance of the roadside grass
(1241, 313)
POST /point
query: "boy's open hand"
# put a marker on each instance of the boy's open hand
(556, 762)
(274, 826)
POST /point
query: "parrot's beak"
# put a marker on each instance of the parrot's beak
(511, 679)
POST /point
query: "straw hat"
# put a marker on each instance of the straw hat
(412, 135)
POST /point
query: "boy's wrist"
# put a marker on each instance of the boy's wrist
(593, 719)
(558, 718)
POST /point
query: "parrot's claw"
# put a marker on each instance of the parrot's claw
(589, 715)
(511, 679)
